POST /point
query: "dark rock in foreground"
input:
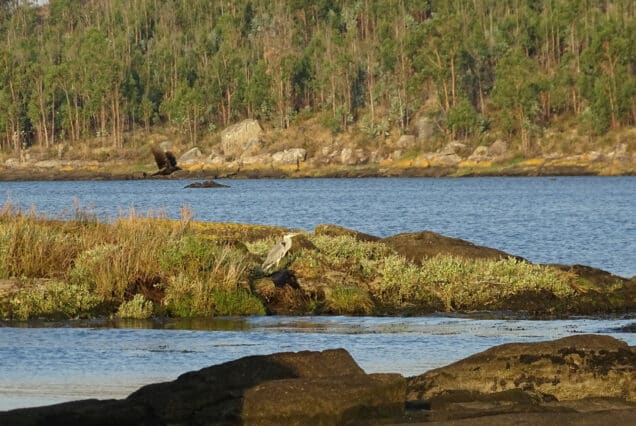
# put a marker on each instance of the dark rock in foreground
(580, 380)
(287, 388)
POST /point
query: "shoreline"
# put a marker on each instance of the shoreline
(527, 168)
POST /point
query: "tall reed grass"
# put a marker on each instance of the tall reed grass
(114, 262)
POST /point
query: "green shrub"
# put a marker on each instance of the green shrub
(486, 283)
(345, 250)
(239, 302)
(402, 285)
(136, 308)
(53, 300)
(188, 253)
(349, 300)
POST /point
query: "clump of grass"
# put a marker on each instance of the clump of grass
(31, 249)
(261, 247)
(343, 247)
(402, 285)
(199, 298)
(53, 299)
(486, 284)
(452, 283)
(345, 251)
(238, 302)
(349, 300)
(136, 308)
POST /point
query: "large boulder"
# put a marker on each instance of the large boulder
(417, 246)
(286, 388)
(454, 148)
(190, 156)
(480, 154)
(289, 156)
(571, 368)
(242, 139)
(498, 149)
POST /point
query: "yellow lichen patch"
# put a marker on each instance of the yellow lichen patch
(66, 169)
(421, 161)
(565, 162)
(192, 167)
(403, 164)
(533, 162)
(469, 164)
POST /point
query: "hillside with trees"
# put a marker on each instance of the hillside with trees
(71, 70)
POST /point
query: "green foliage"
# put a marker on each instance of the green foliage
(199, 298)
(463, 120)
(236, 303)
(52, 300)
(136, 308)
(347, 251)
(402, 285)
(349, 300)
(463, 285)
(82, 69)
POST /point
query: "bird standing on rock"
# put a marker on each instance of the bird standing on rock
(277, 252)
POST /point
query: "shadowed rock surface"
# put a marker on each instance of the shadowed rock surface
(295, 388)
(571, 368)
(417, 246)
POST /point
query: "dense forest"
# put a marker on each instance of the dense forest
(74, 69)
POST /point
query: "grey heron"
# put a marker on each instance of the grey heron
(277, 252)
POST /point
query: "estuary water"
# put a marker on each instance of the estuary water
(572, 220)
(44, 364)
(584, 220)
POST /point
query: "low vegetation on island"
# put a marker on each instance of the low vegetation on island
(138, 267)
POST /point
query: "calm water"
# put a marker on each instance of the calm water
(44, 365)
(585, 220)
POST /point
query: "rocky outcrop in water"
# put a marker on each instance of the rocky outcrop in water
(577, 380)
(206, 184)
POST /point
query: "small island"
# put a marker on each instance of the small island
(144, 267)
